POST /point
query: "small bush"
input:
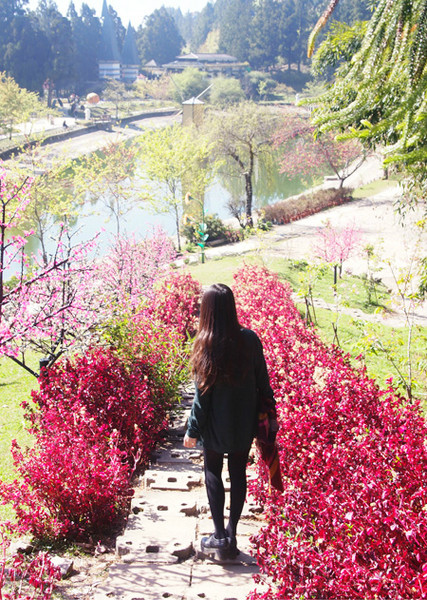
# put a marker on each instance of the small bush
(26, 577)
(177, 304)
(292, 209)
(189, 84)
(234, 235)
(215, 229)
(292, 78)
(257, 84)
(226, 91)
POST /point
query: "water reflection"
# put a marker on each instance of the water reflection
(94, 215)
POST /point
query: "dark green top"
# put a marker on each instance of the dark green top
(224, 418)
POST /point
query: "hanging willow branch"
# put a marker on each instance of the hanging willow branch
(319, 26)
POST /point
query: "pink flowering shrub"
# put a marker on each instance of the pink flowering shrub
(26, 578)
(127, 274)
(351, 522)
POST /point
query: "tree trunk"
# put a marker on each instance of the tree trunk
(249, 197)
(249, 190)
(178, 237)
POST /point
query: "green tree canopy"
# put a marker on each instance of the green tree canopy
(241, 139)
(26, 53)
(57, 29)
(118, 94)
(188, 84)
(159, 39)
(16, 104)
(175, 161)
(226, 91)
(86, 36)
(10, 9)
(341, 44)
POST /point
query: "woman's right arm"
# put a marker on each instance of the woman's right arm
(261, 373)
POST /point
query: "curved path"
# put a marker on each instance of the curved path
(397, 243)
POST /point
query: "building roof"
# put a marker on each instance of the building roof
(130, 51)
(207, 57)
(109, 50)
(193, 100)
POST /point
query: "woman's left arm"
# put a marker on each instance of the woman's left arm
(198, 417)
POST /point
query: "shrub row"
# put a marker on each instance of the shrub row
(96, 417)
(302, 206)
(352, 522)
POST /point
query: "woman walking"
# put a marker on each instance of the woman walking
(230, 374)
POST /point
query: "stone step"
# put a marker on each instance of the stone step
(185, 581)
(160, 550)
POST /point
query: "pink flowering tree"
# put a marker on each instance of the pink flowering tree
(305, 153)
(335, 245)
(42, 301)
(57, 300)
(126, 276)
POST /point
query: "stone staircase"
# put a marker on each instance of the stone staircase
(159, 552)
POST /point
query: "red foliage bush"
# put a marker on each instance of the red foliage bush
(177, 303)
(94, 418)
(123, 398)
(352, 521)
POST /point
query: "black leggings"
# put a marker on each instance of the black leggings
(215, 489)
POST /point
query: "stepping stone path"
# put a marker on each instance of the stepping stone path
(160, 553)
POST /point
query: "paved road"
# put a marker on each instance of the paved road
(94, 140)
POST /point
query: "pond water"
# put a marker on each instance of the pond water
(96, 217)
(140, 219)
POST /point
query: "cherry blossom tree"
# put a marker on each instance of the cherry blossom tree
(335, 245)
(42, 301)
(63, 296)
(126, 276)
(307, 154)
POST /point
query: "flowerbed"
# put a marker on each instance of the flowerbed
(287, 211)
(352, 522)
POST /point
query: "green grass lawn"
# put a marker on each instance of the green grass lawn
(373, 188)
(15, 387)
(352, 291)
(373, 341)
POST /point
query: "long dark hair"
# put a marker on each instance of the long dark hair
(217, 353)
